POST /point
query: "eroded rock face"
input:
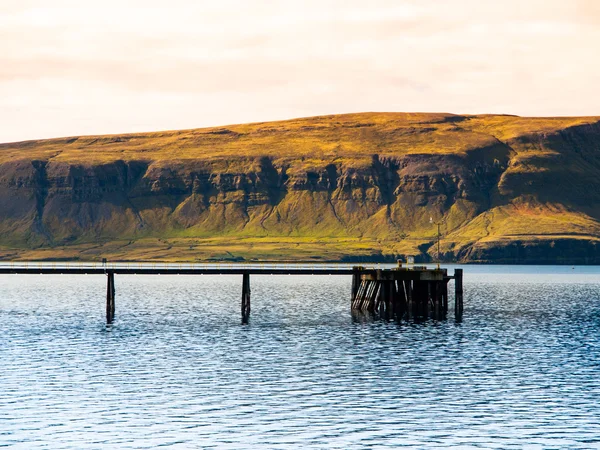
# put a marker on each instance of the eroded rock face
(56, 201)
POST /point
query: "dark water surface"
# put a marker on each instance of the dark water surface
(178, 370)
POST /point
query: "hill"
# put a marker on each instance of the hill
(342, 187)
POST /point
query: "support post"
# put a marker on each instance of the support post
(389, 294)
(355, 283)
(384, 298)
(373, 298)
(363, 295)
(458, 293)
(360, 292)
(417, 298)
(245, 297)
(429, 298)
(445, 297)
(364, 301)
(110, 297)
(360, 295)
(401, 305)
(379, 305)
(437, 299)
(375, 303)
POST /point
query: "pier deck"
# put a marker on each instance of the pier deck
(390, 292)
(50, 268)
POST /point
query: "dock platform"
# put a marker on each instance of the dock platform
(397, 293)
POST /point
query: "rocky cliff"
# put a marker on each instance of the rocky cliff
(356, 186)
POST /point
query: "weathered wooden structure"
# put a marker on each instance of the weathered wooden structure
(405, 293)
(245, 297)
(397, 293)
(110, 297)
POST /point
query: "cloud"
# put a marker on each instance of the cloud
(74, 67)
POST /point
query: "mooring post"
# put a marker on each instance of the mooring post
(110, 297)
(245, 297)
(458, 293)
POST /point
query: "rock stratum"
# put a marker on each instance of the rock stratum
(505, 189)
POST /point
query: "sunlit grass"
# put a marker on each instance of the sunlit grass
(527, 204)
(310, 142)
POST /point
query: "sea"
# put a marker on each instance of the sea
(178, 369)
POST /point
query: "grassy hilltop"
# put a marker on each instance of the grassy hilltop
(354, 186)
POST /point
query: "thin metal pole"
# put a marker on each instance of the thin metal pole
(438, 252)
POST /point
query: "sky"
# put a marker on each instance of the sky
(74, 67)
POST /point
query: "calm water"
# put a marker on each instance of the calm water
(178, 370)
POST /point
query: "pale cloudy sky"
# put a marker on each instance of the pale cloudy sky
(71, 67)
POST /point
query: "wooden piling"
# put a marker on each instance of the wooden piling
(458, 293)
(410, 311)
(110, 297)
(355, 283)
(428, 299)
(379, 292)
(420, 293)
(388, 295)
(361, 294)
(357, 295)
(245, 297)
(444, 285)
(363, 291)
(416, 298)
(395, 299)
(437, 299)
(364, 298)
(373, 297)
(401, 301)
(380, 299)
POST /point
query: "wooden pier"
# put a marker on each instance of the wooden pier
(399, 293)
(403, 293)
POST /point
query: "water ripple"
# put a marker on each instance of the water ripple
(178, 370)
